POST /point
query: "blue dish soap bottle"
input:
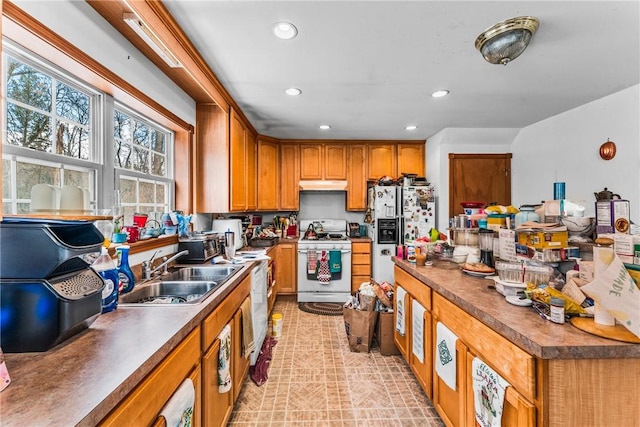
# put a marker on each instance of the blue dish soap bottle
(105, 267)
(127, 281)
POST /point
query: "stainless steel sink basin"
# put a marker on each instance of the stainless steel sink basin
(187, 285)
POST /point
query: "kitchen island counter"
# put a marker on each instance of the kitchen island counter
(81, 380)
(520, 325)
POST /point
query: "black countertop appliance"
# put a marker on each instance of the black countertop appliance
(48, 291)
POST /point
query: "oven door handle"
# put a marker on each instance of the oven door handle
(342, 251)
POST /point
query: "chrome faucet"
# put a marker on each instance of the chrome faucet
(146, 265)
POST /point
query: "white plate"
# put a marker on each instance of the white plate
(478, 273)
(524, 302)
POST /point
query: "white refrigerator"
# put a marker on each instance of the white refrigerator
(383, 202)
(418, 212)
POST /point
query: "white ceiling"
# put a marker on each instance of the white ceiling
(368, 68)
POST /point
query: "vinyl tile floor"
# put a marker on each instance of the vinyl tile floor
(315, 380)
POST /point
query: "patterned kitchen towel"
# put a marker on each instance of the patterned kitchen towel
(417, 330)
(324, 273)
(488, 394)
(312, 261)
(178, 412)
(400, 309)
(335, 261)
(445, 355)
(248, 343)
(224, 360)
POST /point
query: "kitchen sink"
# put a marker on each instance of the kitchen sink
(186, 285)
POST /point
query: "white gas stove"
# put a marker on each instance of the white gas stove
(329, 244)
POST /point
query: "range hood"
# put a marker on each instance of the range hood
(322, 185)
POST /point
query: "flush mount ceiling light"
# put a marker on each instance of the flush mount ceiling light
(293, 91)
(440, 93)
(411, 127)
(506, 40)
(285, 30)
(325, 127)
(149, 37)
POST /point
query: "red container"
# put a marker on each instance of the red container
(140, 220)
(473, 205)
(133, 233)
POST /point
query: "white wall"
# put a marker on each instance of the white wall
(459, 140)
(566, 147)
(81, 25)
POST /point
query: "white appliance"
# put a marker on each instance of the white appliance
(220, 226)
(385, 229)
(332, 238)
(259, 314)
(418, 212)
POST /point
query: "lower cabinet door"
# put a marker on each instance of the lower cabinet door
(240, 363)
(403, 342)
(423, 370)
(517, 411)
(449, 403)
(216, 406)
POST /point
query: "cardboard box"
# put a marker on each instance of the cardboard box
(544, 239)
(612, 216)
(384, 335)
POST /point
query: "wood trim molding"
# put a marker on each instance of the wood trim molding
(111, 83)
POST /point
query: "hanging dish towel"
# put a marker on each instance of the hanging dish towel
(224, 360)
(446, 355)
(335, 261)
(324, 274)
(417, 330)
(400, 309)
(248, 344)
(312, 261)
(488, 394)
(178, 412)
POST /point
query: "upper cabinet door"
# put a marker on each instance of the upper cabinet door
(238, 161)
(356, 179)
(411, 159)
(335, 161)
(311, 161)
(382, 161)
(289, 177)
(268, 174)
(252, 171)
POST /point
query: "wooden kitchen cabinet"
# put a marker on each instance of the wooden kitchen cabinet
(219, 406)
(381, 160)
(243, 166)
(268, 174)
(360, 264)
(356, 177)
(451, 404)
(286, 270)
(335, 161)
(311, 161)
(323, 161)
(289, 177)
(411, 159)
(145, 402)
(240, 364)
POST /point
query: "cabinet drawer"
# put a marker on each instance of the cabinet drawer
(360, 259)
(509, 360)
(361, 270)
(361, 247)
(213, 324)
(356, 281)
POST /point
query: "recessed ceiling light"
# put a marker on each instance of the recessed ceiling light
(440, 93)
(285, 30)
(411, 127)
(293, 91)
(325, 127)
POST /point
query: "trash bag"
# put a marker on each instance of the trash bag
(359, 326)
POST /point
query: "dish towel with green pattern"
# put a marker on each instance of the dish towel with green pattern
(224, 360)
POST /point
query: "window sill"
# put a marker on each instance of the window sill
(146, 245)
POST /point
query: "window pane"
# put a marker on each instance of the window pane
(161, 194)
(27, 85)
(6, 208)
(6, 179)
(146, 192)
(27, 128)
(121, 126)
(157, 141)
(72, 104)
(24, 208)
(123, 155)
(127, 191)
(31, 174)
(80, 179)
(140, 160)
(141, 135)
(72, 141)
(157, 165)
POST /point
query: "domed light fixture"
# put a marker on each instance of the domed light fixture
(506, 40)
(285, 30)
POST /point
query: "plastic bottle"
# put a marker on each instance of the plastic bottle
(127, 281)
(105, 267)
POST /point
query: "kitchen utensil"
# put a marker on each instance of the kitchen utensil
(317, 226)
(527, 213)
(140, 220)
(310, 233)
(133, 233)
(201, 247)
(485, 241)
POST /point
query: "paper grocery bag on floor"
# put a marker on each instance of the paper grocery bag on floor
(359, 326)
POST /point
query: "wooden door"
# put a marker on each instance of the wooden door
(311, 161)
(238, 161)
(357, 178)
(424, 370)
(287, 268)
(479, 177)
(251, 171)
(217, 406)
(268, 175)
(289, 177)
(411, 159)
(382, 161)
(335, 161)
